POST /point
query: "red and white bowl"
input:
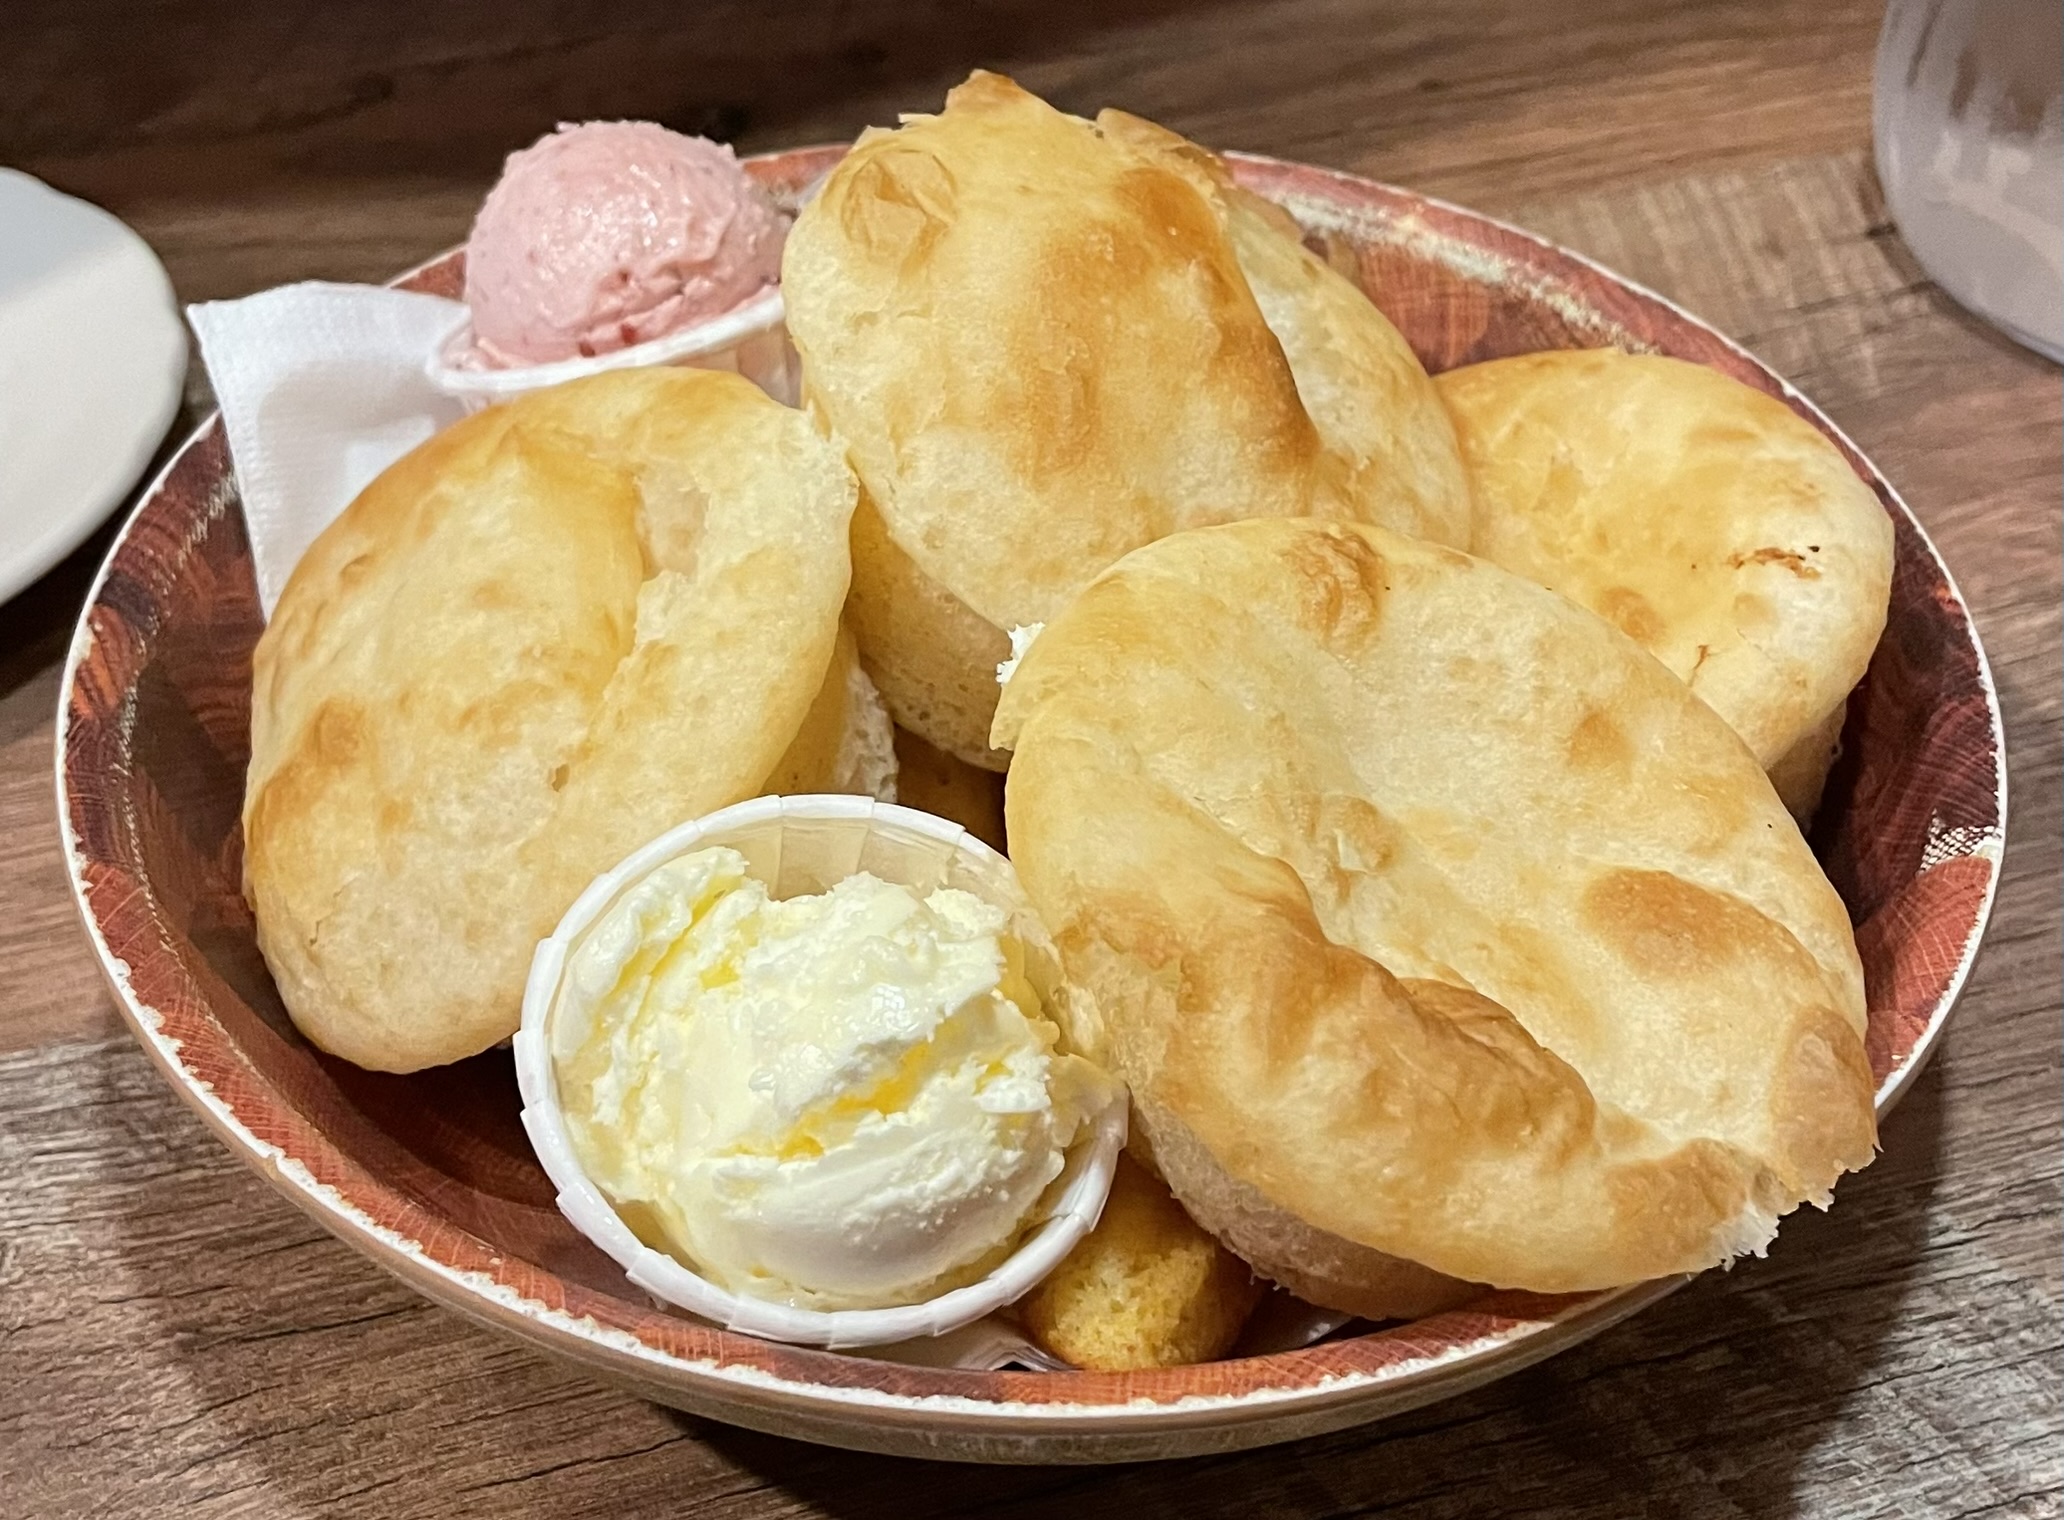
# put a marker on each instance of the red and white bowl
(431, 1174)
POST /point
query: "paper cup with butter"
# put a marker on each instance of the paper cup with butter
(750, 340)
(616, 244)
(797, 1067)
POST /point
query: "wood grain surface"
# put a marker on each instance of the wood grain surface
(175, 1339)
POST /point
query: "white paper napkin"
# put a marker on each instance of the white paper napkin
(322, 387)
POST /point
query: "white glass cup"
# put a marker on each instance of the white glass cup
(1970, 150)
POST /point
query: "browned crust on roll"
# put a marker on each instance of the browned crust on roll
(1331, 825)
(1045, 341)
(1707, 521)
(557, 629)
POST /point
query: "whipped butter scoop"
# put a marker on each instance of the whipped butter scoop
(845, 1100)
(795, 1068)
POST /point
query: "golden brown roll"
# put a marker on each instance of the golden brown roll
(1145, 1288)
(1707, 521)
(550, 633)
(1429, 920)
(1046, 341)
(1389, 450)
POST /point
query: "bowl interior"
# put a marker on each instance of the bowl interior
(432, 1173)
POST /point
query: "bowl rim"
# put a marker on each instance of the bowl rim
(1426, 1368)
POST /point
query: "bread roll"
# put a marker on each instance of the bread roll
(550, 633)
(1389, 450)
(1707, 521)
(1045, 342)
(1429, 919)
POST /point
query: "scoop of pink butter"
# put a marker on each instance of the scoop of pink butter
(611, 233)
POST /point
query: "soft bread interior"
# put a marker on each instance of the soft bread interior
(866, 761)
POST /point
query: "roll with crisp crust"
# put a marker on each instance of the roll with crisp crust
(550, 633)
(1441, 934)
(1046, 341)
(1707, 521)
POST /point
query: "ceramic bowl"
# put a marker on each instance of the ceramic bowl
(431, 1175)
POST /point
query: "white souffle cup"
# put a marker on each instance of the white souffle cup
(751, 340)
(801, 845)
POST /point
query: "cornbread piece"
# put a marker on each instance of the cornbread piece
(1145, 1288)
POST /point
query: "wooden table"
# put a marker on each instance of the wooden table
(176, 1339)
